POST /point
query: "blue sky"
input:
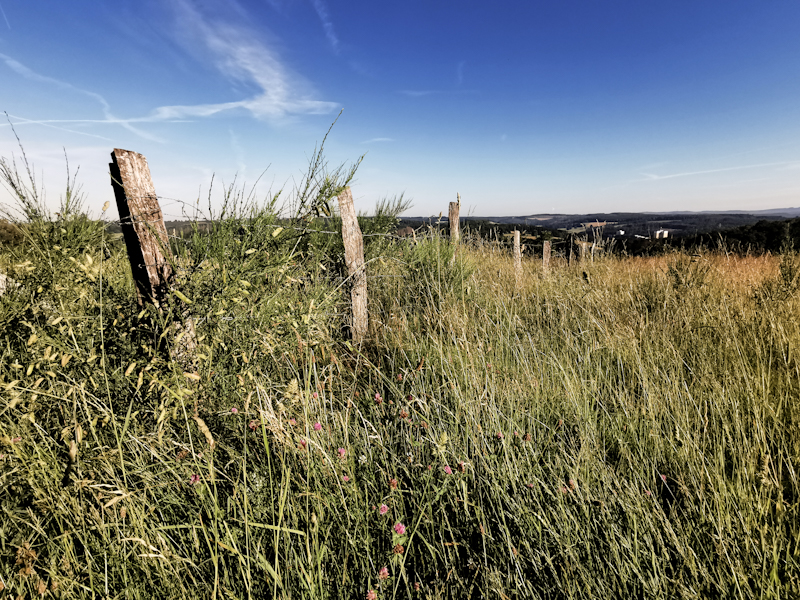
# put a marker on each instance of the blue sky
(521, 107)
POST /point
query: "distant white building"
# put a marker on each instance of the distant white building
(662, 234)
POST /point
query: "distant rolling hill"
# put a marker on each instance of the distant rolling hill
(678, 223)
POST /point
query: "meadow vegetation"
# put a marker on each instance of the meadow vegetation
(627, 428)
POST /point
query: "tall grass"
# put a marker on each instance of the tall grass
(626, 428)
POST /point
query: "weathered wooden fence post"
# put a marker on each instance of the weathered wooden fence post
(142, 225)
(584, 245)
(354, 258)
(517, 263)
(546, 257)
(146, 239)
(452, 217)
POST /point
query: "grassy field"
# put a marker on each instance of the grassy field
(628, 428)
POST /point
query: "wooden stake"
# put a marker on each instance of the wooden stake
(584, 245)
(146, 240)
(354, 258)
(517, 263)
(142, 225)
(455, 229)
(546, 257)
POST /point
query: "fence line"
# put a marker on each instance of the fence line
(147, 239)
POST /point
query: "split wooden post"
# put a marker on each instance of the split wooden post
(517, 263)
(546, 257)
(354, 258)
(142, 225)
(452, 217)
(147, 242)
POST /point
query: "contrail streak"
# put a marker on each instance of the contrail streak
(5, 17)
(652, 177)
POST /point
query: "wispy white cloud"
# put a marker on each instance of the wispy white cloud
(236, 52)
(654, 177)
(378, 139)
(239, 54)
(327, 24)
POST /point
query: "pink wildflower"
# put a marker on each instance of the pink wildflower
(317, 426)
(342, 452)
(371, 595)
(253, 425)
(500, 435)
(378, 398)
(383, 573)
(448, 470)
(393, 484)
(664, 478)
(292, 422)
(15, 440)
(399, 529)
(383, 509)
(315, 395)
(302, 445)
(194, 479)
(648, 492)
(345, 478)
(234, 410)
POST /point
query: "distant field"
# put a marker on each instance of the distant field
(627, 428)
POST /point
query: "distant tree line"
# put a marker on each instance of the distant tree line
(757, 238)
